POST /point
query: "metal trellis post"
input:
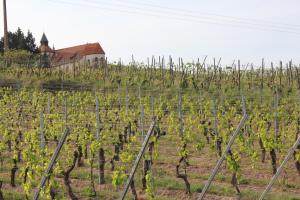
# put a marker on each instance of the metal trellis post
(279, 170)
(137, 161)
(52, 163)
(222, 158)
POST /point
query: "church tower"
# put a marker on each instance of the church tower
(44, 40)
(45, 52)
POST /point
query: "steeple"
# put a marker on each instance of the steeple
(46, 52)
(44, 40)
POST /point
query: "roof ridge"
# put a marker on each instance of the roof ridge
(81, 45)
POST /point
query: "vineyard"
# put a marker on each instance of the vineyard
(150, 131)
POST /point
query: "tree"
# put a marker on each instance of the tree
(18, 41)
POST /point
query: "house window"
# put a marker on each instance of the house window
(96, 62)
(102, 61)
(89, 62)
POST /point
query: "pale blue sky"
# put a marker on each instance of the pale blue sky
(150, 27)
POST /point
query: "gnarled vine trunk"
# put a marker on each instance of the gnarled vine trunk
(183, 176)
(66, 175)
(1, 194)
(13, 173)
(205, 132)
(263, 150)
(101, 165)
(80, 162)
(92, 176)
(148, 162)
(273, 158)
(117, 151)
(234, 181)
(297, 162)
(147, 167)
(219, 146)
(86, 152)
(118, 147)
(133, 190)
(52, 191)
(25, 175)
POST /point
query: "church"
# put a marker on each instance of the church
(90, 54)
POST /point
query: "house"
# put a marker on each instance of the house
(90, 54)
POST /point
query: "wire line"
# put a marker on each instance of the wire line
(108, 7)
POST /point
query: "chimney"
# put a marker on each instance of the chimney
(6, 47)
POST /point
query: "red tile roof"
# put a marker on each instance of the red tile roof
(86, 49)
(76, 52)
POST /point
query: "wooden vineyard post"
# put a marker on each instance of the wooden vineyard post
(48, 105)
(126, 101)
(119, 97)
(279, 170)
(98, 133)
(52, 163)
(193, 70)
(262, 73)
(262, 82)
(142, 113)
(223, 157)
(215, 118)
(276, 123)
(280, 74)
(200, 103)
(61, 80)
(162, 67)
(137, 161)
(215, 70)
(152, 106)
(148, 64)
(203, 64)
(66, 110)
(298, 77)
(252, 72)
(180, 112)
(291, 73)
(239, 74)
(159, 65)
(171, 68)
(216, 132)
(142, 121)
(139, 93)
(218, 72)
(97, 120)
(42, 137)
